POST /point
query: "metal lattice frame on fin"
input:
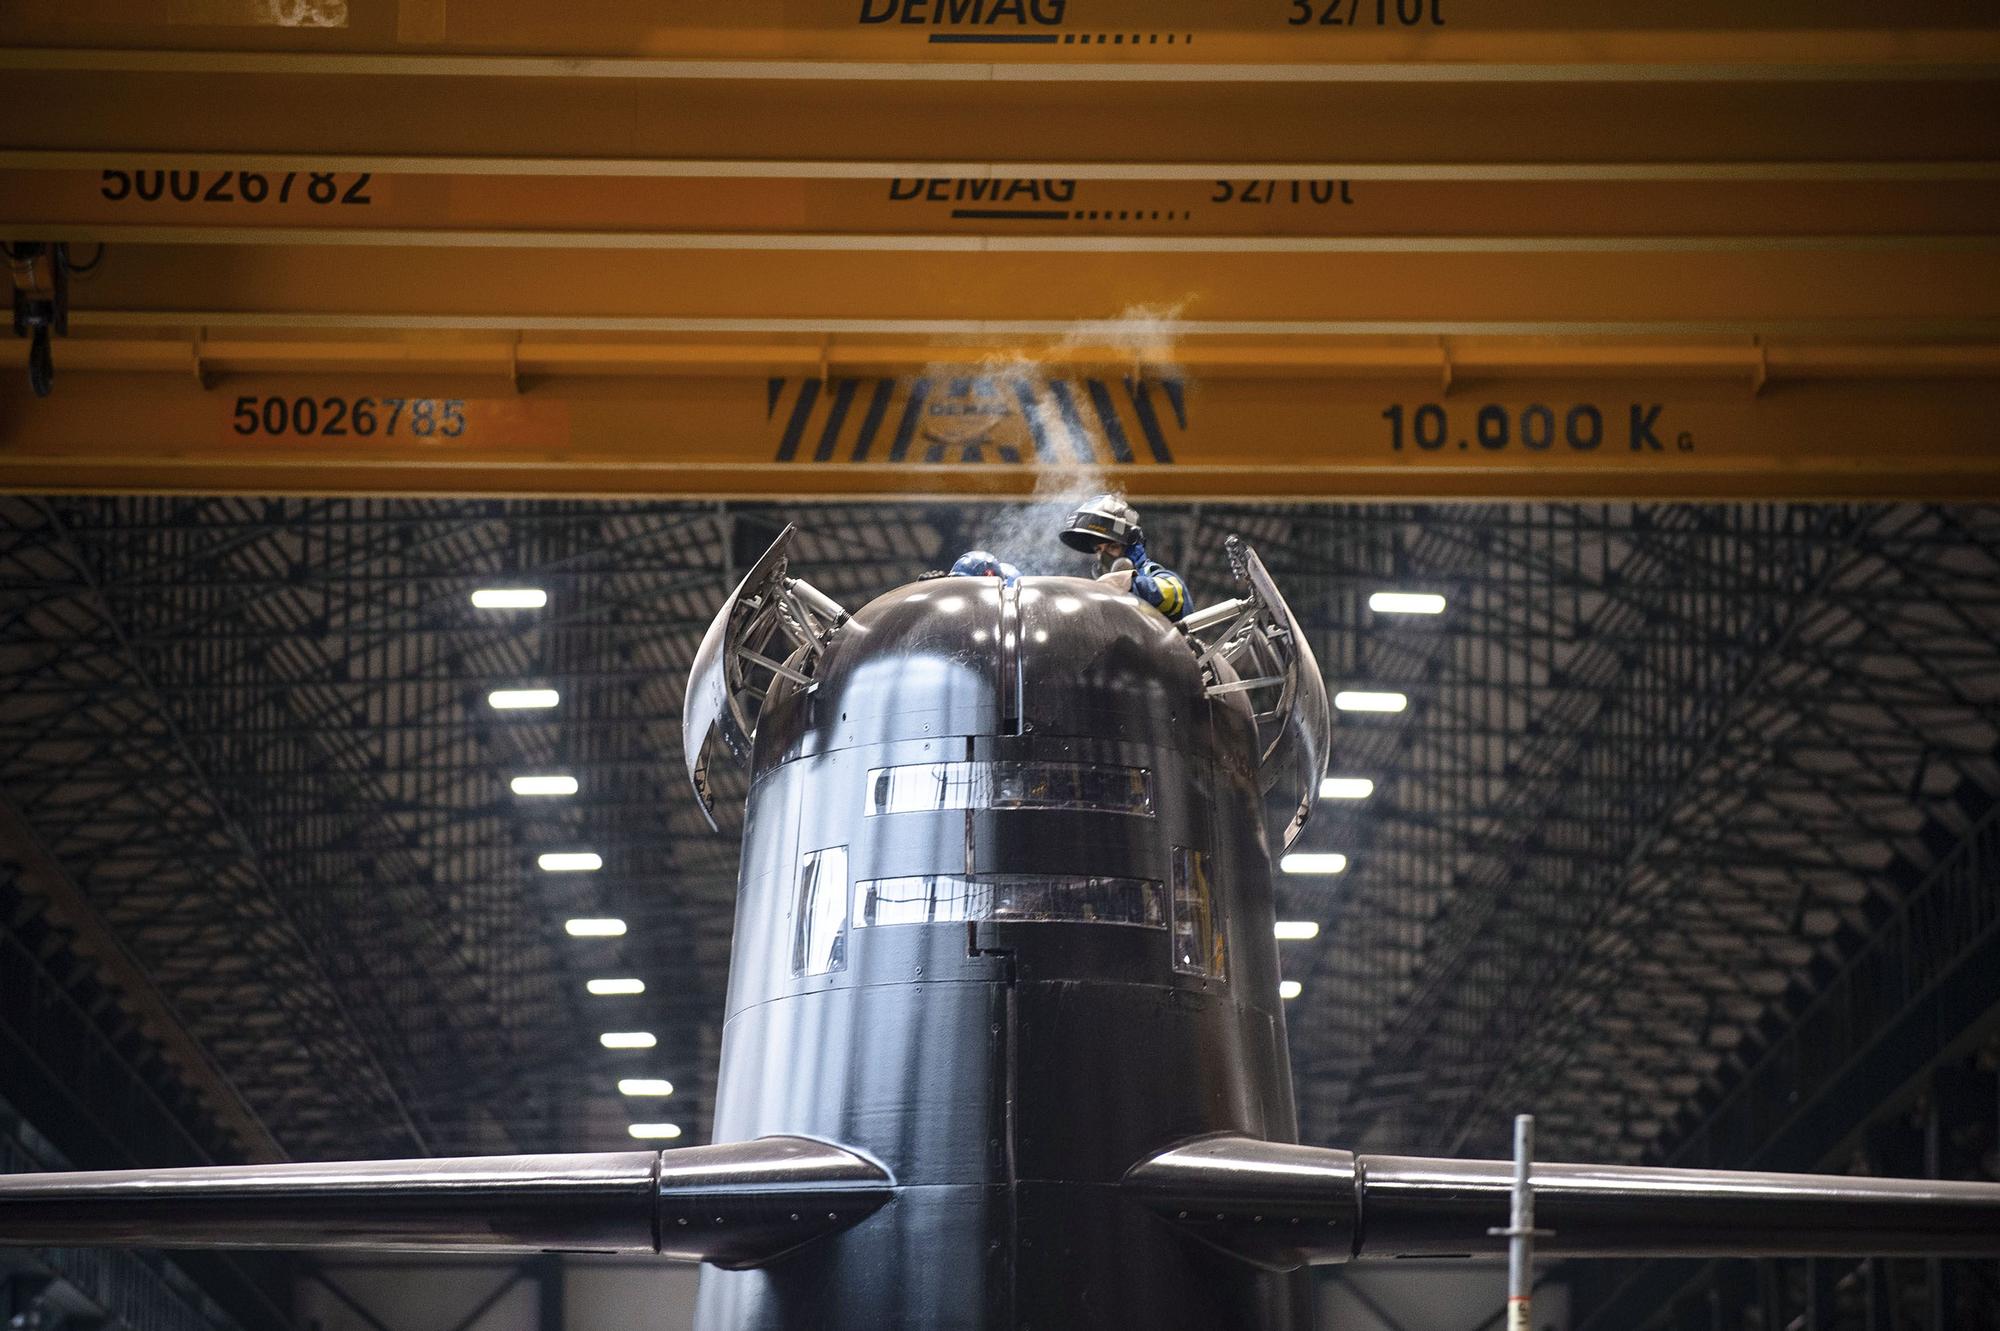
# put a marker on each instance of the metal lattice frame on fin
(771, 628)
(1254, 646)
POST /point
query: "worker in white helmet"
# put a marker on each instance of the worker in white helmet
(1108, 527)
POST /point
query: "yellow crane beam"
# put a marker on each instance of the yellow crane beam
(1948, 288)
(306, 113)
(1340, 419)
(234, 206)
(1043, 34)
(1335, 248)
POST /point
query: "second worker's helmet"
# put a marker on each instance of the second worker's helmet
(977, 564)
(1103, 518)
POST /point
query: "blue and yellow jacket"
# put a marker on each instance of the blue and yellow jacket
(1156, 584)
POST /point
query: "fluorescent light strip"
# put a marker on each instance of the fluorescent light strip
(628, 1039)
(1406, 603)
(655, 1131)
(543, 785)
(644, 1086)
(1297, 931)
(612, 987)
(603, 928)
(1360, 700)
(514, 700)
(1312, 861)
(570, 861)
(1345, 788)
(510, 598)
(1290, 988)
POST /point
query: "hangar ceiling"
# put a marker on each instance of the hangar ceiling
(1668, 776)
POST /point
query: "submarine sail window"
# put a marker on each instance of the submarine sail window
(1198, 946)
(819, 913)
(939, 898)
(928, 787)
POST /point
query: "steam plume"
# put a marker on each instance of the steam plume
(1140, 341)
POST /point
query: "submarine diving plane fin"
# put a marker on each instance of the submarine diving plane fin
(1253, 645)
(1284, 1206)
(736, 1205)
(770, 631)
(741, 1204)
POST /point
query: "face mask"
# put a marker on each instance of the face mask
(1111, 563)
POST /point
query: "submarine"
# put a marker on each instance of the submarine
(1003, 1045)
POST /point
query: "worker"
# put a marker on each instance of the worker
(984, 564)
(1108, 527)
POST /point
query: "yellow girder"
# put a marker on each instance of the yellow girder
(744, 250)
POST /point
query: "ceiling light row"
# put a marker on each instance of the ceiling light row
(576, 861)
(1350, 787)
(1392, 603)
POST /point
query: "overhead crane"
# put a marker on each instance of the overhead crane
(1366, 249)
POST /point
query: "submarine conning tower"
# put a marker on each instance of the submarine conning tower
(1004, 924)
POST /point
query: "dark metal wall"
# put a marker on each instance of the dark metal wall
(1690, 811)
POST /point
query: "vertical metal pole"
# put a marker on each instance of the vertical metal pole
(1821, 1299)
(1521, 1230)
(550, 1294)
(1771, 1291)
(1934, 1276)
(1881, 1295)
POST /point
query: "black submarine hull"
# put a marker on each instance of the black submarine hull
(1048, 990)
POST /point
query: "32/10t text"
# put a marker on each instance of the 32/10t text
(1366, 13)
(1581, 427)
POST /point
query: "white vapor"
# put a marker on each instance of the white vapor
(1138, 343)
